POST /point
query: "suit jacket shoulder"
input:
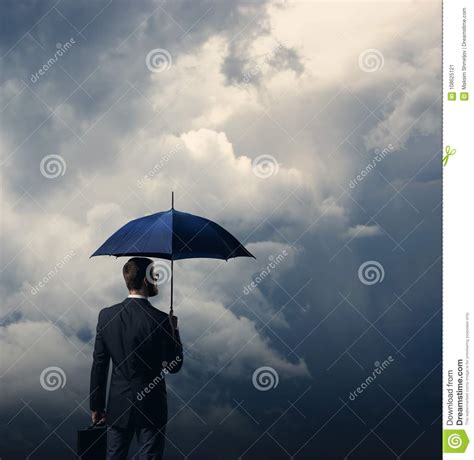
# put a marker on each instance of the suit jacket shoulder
(108, 312)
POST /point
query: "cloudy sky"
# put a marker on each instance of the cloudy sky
(311, 130)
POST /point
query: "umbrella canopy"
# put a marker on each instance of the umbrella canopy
(173, 235)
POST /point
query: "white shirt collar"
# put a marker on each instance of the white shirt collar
(136, 296)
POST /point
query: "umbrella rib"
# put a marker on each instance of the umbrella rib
(128, 232)
(139, 237)
(133, 245)
(209, 222)
(150, 231)
(173, 233)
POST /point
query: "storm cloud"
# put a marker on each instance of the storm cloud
(258, 115)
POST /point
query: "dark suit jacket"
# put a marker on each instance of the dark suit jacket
(138, 339)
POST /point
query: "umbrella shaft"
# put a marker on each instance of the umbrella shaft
(172, 279)
(172, 274)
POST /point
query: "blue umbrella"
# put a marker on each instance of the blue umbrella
(173, 235)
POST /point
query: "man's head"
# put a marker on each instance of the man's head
(139, 277)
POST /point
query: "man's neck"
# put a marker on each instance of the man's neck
(137, 295)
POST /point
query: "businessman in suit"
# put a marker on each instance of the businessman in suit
(144, 345)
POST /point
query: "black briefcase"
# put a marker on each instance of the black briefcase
(92, 442)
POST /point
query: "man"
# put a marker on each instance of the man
(144, 345)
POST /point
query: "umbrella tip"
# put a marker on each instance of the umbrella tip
(172, 200)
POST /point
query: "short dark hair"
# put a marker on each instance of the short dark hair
(134, 272)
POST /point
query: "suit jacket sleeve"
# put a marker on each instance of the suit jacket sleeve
(172, 347)
(99, 371)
